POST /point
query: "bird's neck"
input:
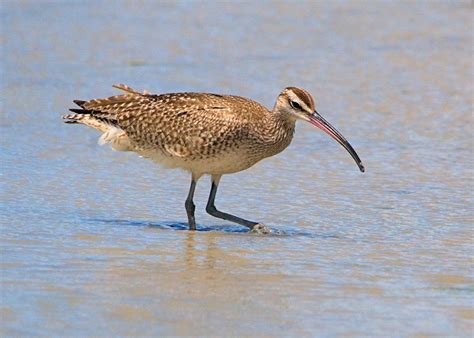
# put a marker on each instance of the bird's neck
(277, 131)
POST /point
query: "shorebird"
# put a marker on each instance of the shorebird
(202, 133)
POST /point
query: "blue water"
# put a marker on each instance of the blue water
(94, 242)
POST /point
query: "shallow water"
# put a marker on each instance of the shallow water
(94, 241)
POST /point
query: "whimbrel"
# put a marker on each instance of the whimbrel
(205, 134)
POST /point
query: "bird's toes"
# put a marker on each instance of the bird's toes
(261, 229)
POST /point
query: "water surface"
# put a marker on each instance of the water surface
(94, 241)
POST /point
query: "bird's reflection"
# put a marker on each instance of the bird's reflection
(200, 249)
(194, 256)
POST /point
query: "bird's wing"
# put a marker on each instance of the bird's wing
(187, 124)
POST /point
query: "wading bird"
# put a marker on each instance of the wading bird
(205, 134)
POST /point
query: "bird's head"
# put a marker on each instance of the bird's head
(297, 104)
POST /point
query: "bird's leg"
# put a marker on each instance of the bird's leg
(189, 205)
(211, 208)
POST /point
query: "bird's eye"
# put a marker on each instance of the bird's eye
(295, 105)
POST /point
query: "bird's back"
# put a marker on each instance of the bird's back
(196, 121)
(195, 131)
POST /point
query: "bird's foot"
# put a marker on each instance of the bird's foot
(261, 229)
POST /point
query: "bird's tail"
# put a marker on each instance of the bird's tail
(88, 120)
(112, 134)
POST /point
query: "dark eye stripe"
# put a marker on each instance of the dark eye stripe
(295, 105)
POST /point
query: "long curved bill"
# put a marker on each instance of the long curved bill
(318, 121)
